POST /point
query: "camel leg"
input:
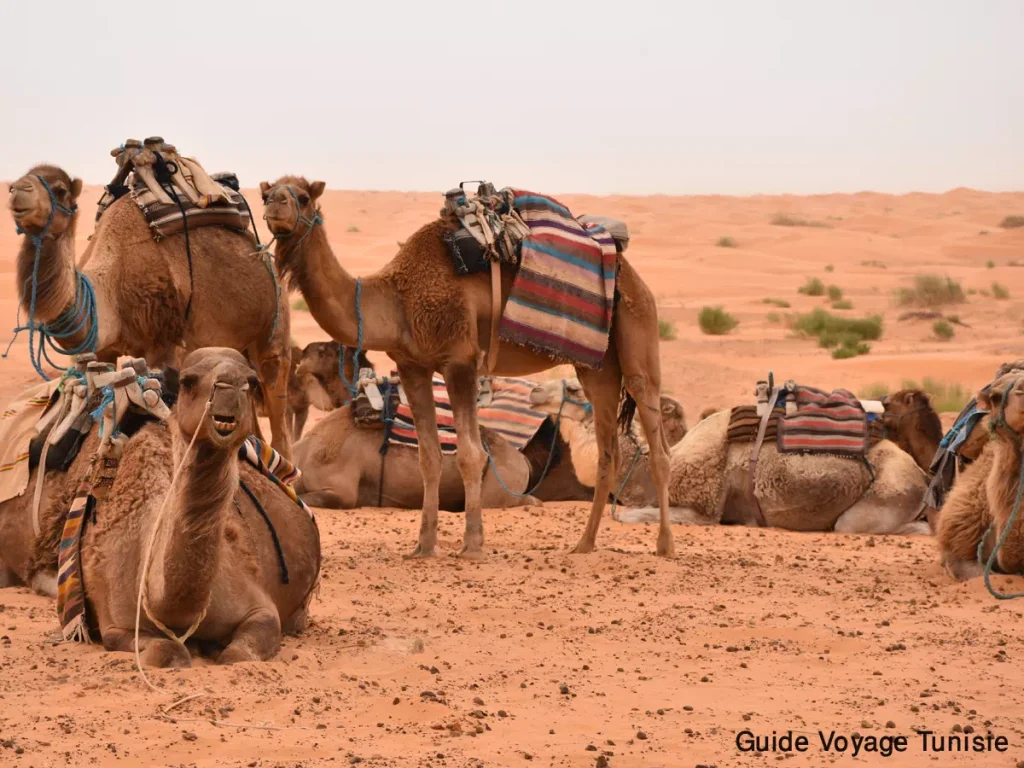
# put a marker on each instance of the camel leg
(257, 638)
(872, 516)
(603, 388)
(156, 650)
(274, 373)
(299, 423)
(681, 515)
(417, 383)
(8, 578)
(461, 383)
(646, 393)
(326, 499)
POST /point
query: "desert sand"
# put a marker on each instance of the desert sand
(617, 658)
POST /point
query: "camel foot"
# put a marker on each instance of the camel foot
(8, 578)
(235, 654)
(585, 547)
(420, 552)
(473, 553)
(666, 544)
(166, 654)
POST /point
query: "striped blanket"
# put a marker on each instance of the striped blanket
(744, 423)
(509, 414)
(833, 423)
(562, 297)
(273, 466)
(17, 430)
(166, 219)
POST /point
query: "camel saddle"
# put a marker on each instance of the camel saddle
(173, 191)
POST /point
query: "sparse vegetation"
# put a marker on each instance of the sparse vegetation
(773, 317)
(726, 242)
(1000, 291)
(874, 391)
(785, 220)
(945, 396)
(943, 330)
(813, 287)
(353, 228)
(835, 293)
(299, 305)
(782, 303)
(666, 330)
(990, 264)
(715, 321)
(829, 268)
(844, 304)
(874, 263)
(931, 291)
(1012, 222)
(845, 336)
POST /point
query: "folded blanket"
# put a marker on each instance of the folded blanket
(17, 430)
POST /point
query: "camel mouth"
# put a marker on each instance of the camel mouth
(224, 425)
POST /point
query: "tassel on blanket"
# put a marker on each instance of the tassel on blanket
(70, 592)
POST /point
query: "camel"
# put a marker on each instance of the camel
(317, 367)
(981, 502)
(342, 468)
(429, 320)
(711, 484)
(214, 566)
(142, 286)
(913, 425)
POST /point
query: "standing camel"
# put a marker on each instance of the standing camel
(429, 320)
(141, 287)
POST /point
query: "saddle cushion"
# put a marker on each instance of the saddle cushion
(165, 220)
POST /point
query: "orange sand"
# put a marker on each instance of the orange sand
(745, 629)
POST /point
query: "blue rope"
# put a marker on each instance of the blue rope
(1009, 523)
(353, 386)
(71, 321)
(588, 408)
(629, 474)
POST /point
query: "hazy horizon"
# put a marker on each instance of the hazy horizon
(738, 98)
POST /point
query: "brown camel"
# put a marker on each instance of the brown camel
(142, 286)
(213, 562)
(983, 497)
(342, 468)
(912, 423)
(319, 362)
(429, 320)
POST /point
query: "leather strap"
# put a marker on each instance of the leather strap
(492, 352)
(762, 428)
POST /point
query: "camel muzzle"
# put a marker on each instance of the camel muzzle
(226, 407)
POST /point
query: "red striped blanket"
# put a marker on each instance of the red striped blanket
(562, 297)
(825, 423)
(509, 414)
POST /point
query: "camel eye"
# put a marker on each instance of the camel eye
(303, 199)
(189, 382)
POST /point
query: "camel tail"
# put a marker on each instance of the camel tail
(627, 411)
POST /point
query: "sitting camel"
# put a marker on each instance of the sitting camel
(142, 286)
(429, 320)
(317, 368)
(801, 492)
(982, 500)
(214, 565)
(912, 423)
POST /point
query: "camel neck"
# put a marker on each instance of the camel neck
(53, 272)
(331, 292)
(197, 509)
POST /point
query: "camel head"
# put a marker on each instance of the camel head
(319, 359)
(1004, 400)
(44, 195)
(910, 410)
(565, 395)
(223, 379)
(289, 205)
(673, 419)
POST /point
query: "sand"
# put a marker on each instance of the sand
(539, 656)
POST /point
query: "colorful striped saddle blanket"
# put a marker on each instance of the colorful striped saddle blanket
(834, 423)
(561, 301)
(509, 414)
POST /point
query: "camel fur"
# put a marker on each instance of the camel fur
(985, 492)
(913, 424)
(213, 551)
(429, 320)
(142, 286)
(710, 485)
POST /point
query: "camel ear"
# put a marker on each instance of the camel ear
(316, 189)
(984, 399)
(76, 188)
(668, 408)
(264, 189)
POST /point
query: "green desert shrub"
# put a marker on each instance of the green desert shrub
(715, 321)
(813, 287)
(844, 304)
(1012, 222)
(781, 303)
(666, 330)
(1000, 291)
(726, 242)
(943, 330)
(931, 291)
(835, 293)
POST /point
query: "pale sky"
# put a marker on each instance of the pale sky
(713, 96)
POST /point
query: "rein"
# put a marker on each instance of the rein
(71, 321)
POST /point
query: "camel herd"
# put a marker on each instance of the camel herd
(238, 559)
